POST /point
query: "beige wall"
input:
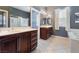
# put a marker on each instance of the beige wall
(51, 11)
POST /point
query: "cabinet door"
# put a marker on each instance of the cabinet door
(43, 33)
(8, 45)
(23, 43)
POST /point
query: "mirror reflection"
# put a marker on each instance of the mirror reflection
(2, 19)
(45, 20)
(12, 16)
(17, 21)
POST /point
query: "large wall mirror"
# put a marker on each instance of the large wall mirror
(18, 21)
(13, 17)
(19, 18)
(45, 20)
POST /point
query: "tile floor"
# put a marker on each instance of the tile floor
(74, 46)
(55, 44)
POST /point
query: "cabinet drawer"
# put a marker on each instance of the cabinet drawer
(33, 33)
(33, 47)
(34, 38)
(33, 42)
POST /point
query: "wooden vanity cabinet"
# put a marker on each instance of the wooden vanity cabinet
(27, 41)
(45, 33)
(19, 42)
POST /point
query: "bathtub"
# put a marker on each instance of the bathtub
(73, 34)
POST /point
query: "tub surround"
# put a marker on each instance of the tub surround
(19, 39)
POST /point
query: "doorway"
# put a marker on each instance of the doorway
(62, 21)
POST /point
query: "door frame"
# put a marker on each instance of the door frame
(6, 16)
(67, 20)
(38, 21)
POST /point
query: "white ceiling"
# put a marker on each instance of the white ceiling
(23, 8)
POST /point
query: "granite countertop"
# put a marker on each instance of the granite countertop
(45, 26)
(9, 31)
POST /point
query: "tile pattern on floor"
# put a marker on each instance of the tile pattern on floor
(55, 44)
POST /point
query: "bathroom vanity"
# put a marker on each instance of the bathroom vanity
(18, 40)
(46, 31)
